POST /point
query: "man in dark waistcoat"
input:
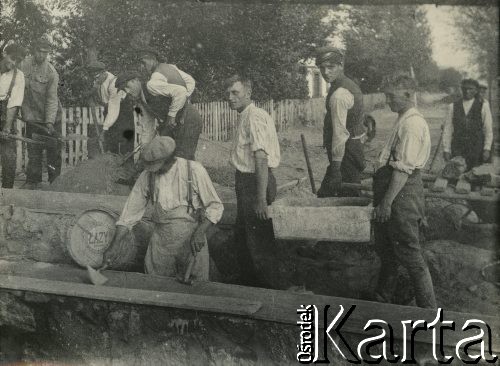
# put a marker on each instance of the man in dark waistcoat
(468, 130)
(182, 122)
(343, 126)
(398, 197)
(165, 101)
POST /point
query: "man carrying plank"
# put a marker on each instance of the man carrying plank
(185, 205)
(42, 110)
(398, 197)
(11, 99)
(255, 153)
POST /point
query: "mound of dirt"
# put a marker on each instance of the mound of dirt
(96, 176)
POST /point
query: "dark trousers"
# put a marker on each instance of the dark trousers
(35, 156)
(397, 241)
(8, 159)
(351, 168)
(185, 134)
(254, 237)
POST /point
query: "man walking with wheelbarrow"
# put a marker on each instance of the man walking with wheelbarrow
(41, 111)
(398, 197)
(185, 205)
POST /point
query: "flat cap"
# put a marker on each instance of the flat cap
(96, 66)
(42, 44)
(124, 77)
(157, 152)
(329, 54)
(15, 51)
(146, 51)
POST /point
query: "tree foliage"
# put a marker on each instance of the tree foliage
(210, 41)
(478, 32)
(381, 40)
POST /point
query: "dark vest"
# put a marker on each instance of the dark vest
(161, 104)
(355, 115)
(468, 137)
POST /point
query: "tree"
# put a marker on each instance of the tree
(382, 40)
(22, 21)
(478, 31)
(263, 41)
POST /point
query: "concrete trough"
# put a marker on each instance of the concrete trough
(343, 219)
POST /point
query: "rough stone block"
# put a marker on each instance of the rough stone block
(463, 187)
(440, 185)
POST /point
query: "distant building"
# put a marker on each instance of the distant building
(317, 86)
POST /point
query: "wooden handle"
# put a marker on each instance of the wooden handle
(94, 117)
(189, 268)
(308, 163)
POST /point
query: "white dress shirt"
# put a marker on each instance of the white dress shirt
(256, 131)
(17, 94)
(111, 97)
(487, 125)
(172, 191)
(340, 102)
(159, 85)
(410, 141)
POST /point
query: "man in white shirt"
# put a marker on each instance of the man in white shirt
(11, 99)
(468, 130)
(165, 99)
(185, 205)
(343, 128)
(255, 153)
(104, 93)
(399, 197)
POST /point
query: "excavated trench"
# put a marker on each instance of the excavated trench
(40, 327)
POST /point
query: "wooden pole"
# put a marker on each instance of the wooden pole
(308, 163)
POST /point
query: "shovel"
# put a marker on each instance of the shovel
(96, 277)
(52, 140)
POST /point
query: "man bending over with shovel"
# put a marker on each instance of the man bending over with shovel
(185, 205)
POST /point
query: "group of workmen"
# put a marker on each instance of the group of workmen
(184, 200)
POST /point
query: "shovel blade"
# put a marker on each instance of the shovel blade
(96, 277)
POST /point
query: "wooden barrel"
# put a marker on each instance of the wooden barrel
(92, 233)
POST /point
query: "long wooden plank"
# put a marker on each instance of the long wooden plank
(212, 304)
(277, 306)
(72, 203)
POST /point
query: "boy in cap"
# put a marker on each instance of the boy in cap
(185, 205)
(11, 99)
(468, 128)
(164, 103)
(398, 197)
(343, 126)
(41, 108)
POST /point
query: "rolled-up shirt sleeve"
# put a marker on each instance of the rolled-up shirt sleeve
(340, 102)
(158, 85)
(135, 207)
(113, 108)
(188, 80)
(448, 129)
(408, 150)
(17, 95)
(259, 134)
(207, 194)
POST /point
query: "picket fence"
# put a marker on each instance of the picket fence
(219, 122)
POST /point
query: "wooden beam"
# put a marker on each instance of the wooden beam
(212, 304)
(277, 306)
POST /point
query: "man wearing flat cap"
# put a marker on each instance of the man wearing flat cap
(11, 99)
(42, 110)
(104, 93)
(185, 204)
(398, 197)
(343, 126)
(468, 127)
(164, 101)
